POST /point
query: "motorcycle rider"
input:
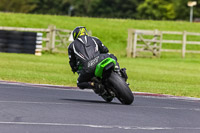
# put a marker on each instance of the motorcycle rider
(85, 52)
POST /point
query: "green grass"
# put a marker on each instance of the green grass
(168, 75)
(173, 76)
(47, 69)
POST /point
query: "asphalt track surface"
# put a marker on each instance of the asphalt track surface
(26, 108)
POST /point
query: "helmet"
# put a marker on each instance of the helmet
(79, 31)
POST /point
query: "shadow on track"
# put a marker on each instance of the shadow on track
(89, 101)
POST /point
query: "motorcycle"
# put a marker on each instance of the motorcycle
(114, 84)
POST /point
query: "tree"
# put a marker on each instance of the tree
(51, 6)
(196, 10)
(137, 9)
(80, 7)
(157, 9)
(23, 6)
(181, 9)
(114, 8)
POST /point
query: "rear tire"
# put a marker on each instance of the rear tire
(121, 89)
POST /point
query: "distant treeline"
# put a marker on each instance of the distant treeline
(136, 9)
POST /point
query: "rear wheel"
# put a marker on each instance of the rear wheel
(121, 89)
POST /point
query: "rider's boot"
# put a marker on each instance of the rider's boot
(124, 74)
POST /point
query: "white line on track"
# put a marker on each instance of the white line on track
(100, 126)
(22, 102)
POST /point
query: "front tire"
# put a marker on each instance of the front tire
(121, 89)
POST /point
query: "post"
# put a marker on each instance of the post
(160, 45)
(52, 36)
(191, 4)
(48, 40)
(184, 44)
(135, 44)
(191, 14)
(155, 49)
(129, 44)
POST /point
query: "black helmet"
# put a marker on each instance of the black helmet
(79, 31)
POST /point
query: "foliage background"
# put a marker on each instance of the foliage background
(135, 9)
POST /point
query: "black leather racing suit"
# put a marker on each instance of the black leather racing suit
(82, 52)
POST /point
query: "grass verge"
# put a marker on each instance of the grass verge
(171, 75)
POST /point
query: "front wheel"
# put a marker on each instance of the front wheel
(121, 89)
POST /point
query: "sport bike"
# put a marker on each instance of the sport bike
(114, 85)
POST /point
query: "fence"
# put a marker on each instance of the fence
(152, 41)
(54, 39)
